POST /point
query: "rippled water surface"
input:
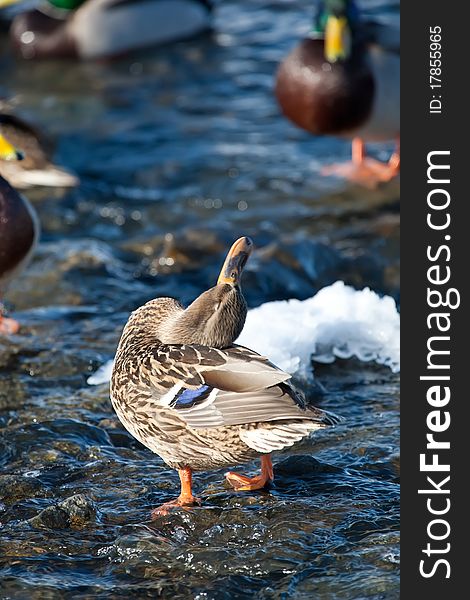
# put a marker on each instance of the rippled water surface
(180, 150)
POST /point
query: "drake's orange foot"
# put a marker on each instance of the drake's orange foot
(369, 173)
(243, 483)
(8, 326)
(364, 170)
(180, 502)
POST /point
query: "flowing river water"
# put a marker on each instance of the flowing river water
(180, 150)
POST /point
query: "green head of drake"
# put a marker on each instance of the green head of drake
(66, 4)
(335, 21)
(63, 4)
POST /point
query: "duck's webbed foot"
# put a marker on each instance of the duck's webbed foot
(186, 497)
(8, 326)
(180, 502)
(243, 483)
(364, 170)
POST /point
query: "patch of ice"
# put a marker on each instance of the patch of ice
(338, 322)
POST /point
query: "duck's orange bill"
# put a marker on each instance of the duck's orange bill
(235, 261)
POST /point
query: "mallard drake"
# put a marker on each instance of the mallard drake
(36, 168)
(19, 232)
(344, 80)
(184, 389)
(94, 29)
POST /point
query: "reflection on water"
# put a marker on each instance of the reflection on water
(180, 151)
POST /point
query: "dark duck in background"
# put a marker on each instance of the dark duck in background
(184, 389)
(344, 80)
(98, 29)
(37, 167)
(19, 232)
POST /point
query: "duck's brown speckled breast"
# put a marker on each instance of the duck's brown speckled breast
(324, 98)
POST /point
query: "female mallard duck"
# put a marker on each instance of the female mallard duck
(94, 29)
(19, 231)
(183, 389)
(344, 80)
(36, 168)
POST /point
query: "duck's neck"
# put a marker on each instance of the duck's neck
(205, 326)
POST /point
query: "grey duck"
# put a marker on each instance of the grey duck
(184, 389)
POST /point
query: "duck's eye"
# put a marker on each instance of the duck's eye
(233, 275)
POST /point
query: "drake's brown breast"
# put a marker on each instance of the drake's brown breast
(321, 97)
(51, 36)
(17, 233)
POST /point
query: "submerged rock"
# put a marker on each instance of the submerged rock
(17, 487)
(76, 512)
(304, 466)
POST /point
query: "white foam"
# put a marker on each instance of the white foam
(338, 322)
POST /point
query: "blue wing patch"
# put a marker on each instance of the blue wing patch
(186, 398)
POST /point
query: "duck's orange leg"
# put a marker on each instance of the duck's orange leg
(365, 170)
(394, 162)
(8, 326)
(244, 483)
(185, 498)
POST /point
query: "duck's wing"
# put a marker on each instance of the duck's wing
(208, 387)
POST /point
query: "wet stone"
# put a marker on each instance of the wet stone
(17, 487)
(74, 512)
(303, 466)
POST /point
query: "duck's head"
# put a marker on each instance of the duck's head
(66, 4)
(8, 151)
(216, 318)
(335, 21)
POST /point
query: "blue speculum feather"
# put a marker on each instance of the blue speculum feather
(186, 398)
